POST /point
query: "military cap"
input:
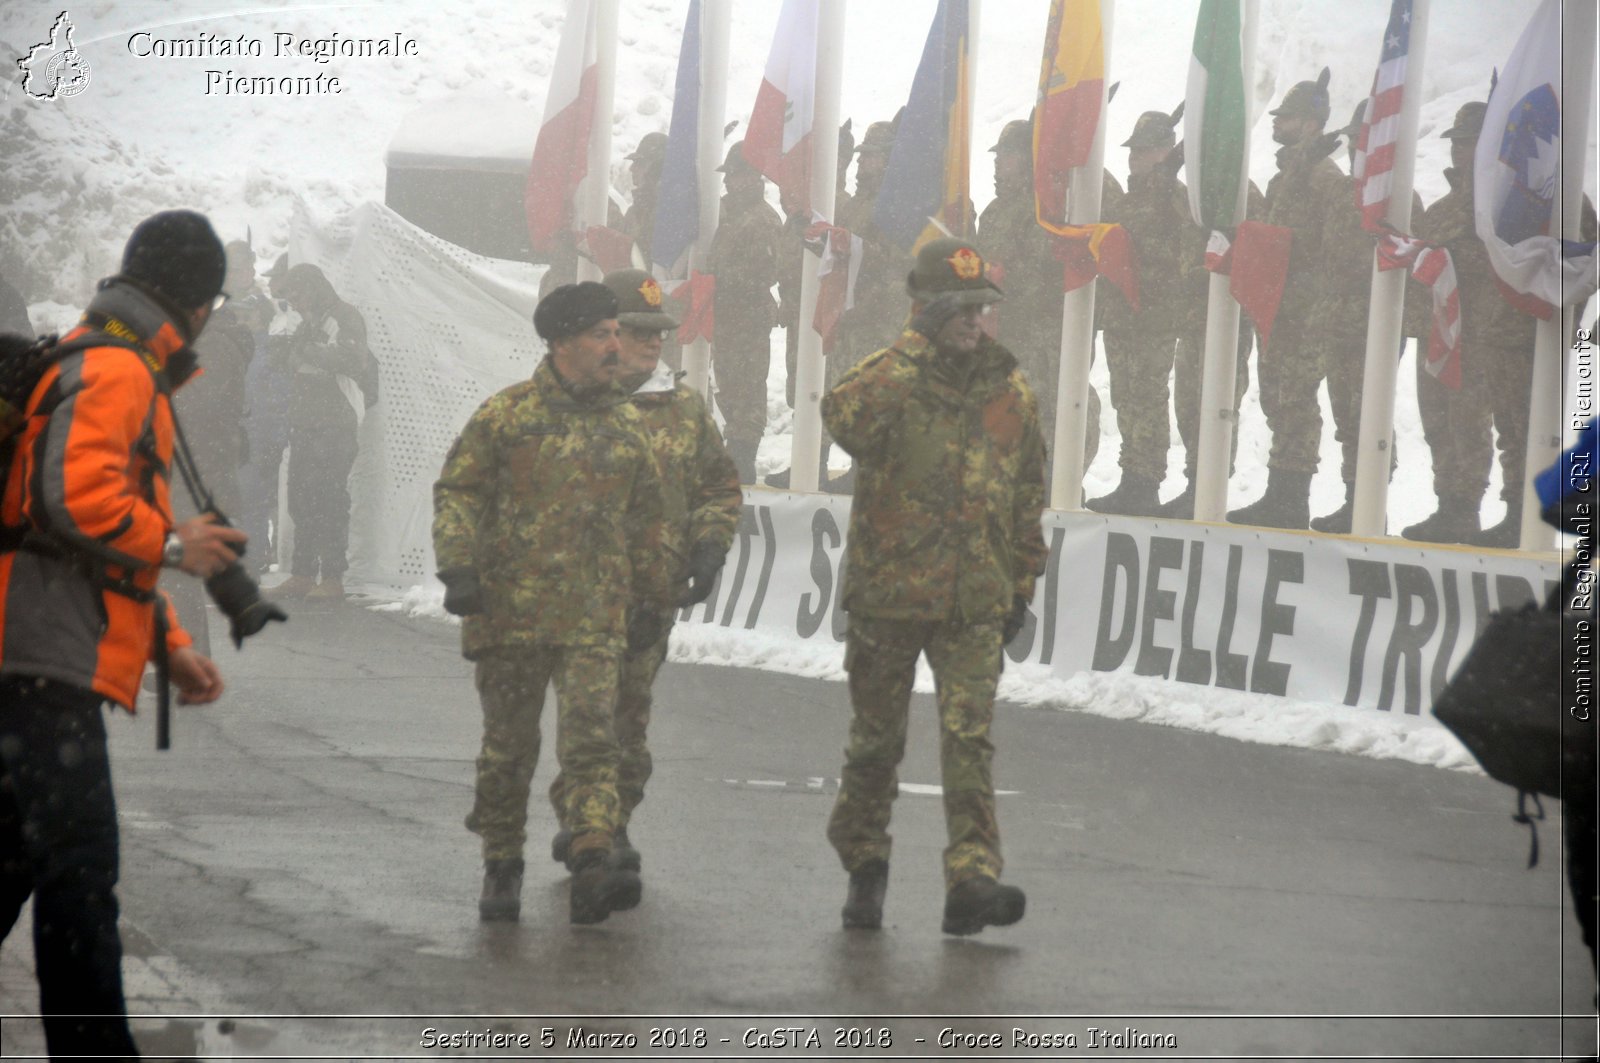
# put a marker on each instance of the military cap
(1015, 135)
(279, 267)
(638, 299)
(878, 137)
(1155, 129)
(847, 141)
(735, 161)
(241, 270)
(177, 253)
(652, 148)
(1468, 123)
(1306, 99)
(951, 265)
(572, 308)
(1352, 130)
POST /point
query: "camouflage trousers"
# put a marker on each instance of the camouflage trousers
(1457, 423)
(881, 657)
(630, 722)
(1188, 381)
(1141, 364)
(1291, 373)
(743, 354)
(511, 690)
(1345, 358)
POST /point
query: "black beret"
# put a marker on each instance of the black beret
(572, 308)
(178, 254)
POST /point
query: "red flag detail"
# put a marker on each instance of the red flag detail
(699, 294)
(560, 161)
(607, 248)
(1258, 269)
(1099, 250)
(1432, 266)
(836, 276)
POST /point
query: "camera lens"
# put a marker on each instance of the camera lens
(239, 598)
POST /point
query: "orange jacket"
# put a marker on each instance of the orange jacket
(90, 476)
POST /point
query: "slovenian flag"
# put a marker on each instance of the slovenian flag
(678, 198)
(1214, 116)
(778, 139)
(561, 153)
(1516, 176)
(1072, 81)
(925, 192)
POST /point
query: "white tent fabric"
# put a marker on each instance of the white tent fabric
(449, 329)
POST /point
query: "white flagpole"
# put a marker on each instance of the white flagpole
(1386, 311)
(1546, 413)
(1077, 316)
(806, 443)
(1220, 374)
(714, 18)
(595, 192)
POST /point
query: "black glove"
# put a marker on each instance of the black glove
(705, 561)
(463, 596)
(934, 316)
(1014, 620)
(644, 628)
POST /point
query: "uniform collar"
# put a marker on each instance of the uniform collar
(129, 311)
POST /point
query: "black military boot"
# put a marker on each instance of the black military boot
(1135, 496)
(1455, 522)
(1507, 535)
(501, 901)
(979, 902)
(561, 846)
(1181, 507)
(863, 905)
(1338, 522)
(600, 888)
(623, 854)
(1287, 503)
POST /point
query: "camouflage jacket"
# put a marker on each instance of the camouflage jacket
(950, 483)
(700, 484)
(1306, 187)
(1010, 236)
(1345, 293)
(880, 307)
(556, 501)
(1155, 211)
(744, 258)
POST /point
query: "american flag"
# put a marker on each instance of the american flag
(1373, 170)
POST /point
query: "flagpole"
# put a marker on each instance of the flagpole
(1077, 314)
(595, 194)
(1547, 415)
(1220, 372)
(714, 19)
(1386, 310)
(806, 442)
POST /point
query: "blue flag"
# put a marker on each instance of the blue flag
(678, 201)
(925, 190)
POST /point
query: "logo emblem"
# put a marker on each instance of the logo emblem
(55, 68)
(651, 292)
(966, 263)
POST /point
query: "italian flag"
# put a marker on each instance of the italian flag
(777, 141)
(1214, 116)
(561, 153)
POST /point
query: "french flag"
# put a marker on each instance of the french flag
(561, 154)
(778, 139)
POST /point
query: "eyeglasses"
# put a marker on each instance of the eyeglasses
(218, 301)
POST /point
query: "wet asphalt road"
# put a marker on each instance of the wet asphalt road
(300, 853)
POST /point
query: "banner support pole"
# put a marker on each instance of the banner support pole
(714, 17)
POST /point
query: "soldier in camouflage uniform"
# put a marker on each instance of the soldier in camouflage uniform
(1338, 327)
(1021, 252)
(700, 488)
(945, 546)
(1497, 349)
(744, 259)
(551, 534)
(1306, 187)
(644, 166)
(1141, 344)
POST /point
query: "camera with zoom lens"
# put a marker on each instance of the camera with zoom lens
(239, 596)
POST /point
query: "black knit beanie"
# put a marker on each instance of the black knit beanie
(178, 254)
(572, 308)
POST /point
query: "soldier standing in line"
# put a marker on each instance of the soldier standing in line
(1306, 187)
(944, 548)
(700, 489)
(744, 259)
(1141, 344)
(1338, 325)
(644, 166)
(1022, 252)
(551, 535)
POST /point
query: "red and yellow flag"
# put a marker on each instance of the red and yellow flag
(1072, 81)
